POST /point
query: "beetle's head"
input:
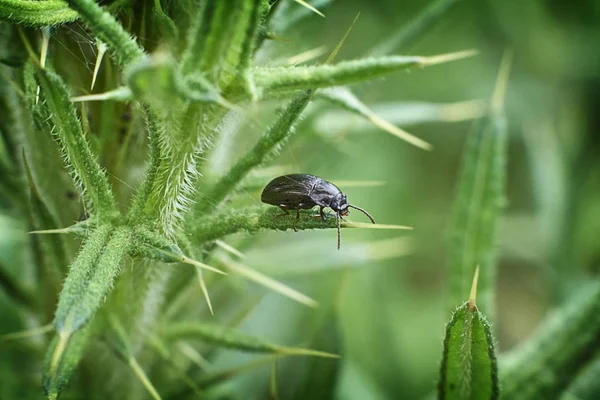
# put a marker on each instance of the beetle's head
(340, 204)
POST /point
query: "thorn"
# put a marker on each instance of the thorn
(364, 225)
(120, 93)
(101, 51)
(42, 330)
(394, 130)
(204, 290)
(341, 42)
(53, 231)
(188, 260)
(305, 4)
(229, 249)
(471, 303)
(269, 283)
(444, 58)
(306, 56)
(502, 81)
(43, 56)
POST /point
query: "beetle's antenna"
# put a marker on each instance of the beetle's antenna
(363, 211)
(339, 228)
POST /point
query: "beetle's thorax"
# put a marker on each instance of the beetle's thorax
(325, 193)
(339, 204)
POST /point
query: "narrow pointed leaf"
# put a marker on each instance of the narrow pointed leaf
(469, 368)
(219, 32)
(276, 79)
(62, 358)
(563, 345)
(478, 204)
(252, 219)
(233, 339)
(78, 155)
(91, 277)
(37, 13)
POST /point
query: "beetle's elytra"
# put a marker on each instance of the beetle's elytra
(303, 192)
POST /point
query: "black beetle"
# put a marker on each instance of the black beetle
(303, 192)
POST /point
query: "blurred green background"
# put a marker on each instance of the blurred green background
(392, 312)
(383, 295)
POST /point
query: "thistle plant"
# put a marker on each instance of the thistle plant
(130, 191)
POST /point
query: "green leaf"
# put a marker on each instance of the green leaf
(277, 79)
(78, 156)
(233, 339)
(166, 25)
(145, 188)
(62, 358)
(586, 385)
(415, 29)
(479, 200)
(106, 28)
(91, 277)
(563, 345)
(37, 13)
(218, 31)
(252, 219)
(469, 369)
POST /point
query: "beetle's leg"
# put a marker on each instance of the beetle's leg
(323, 217)
(285, 212)
(296, 220)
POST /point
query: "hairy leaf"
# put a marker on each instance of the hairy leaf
(233, 339)
(62, 358)
(91, 277)
(37, 13)
(277, 79)
(469, 368)
(78, 156)
(564, 343)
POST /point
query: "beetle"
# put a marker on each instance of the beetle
(303, 192)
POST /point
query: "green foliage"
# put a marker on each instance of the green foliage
(165, 156)
(37, 13)
(76, 150)
(549, 361)
(480, 197)
(232, 339)
(64, 354)
(469, 367)
(273, 80)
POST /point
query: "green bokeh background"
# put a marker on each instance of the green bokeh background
(387, 316)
